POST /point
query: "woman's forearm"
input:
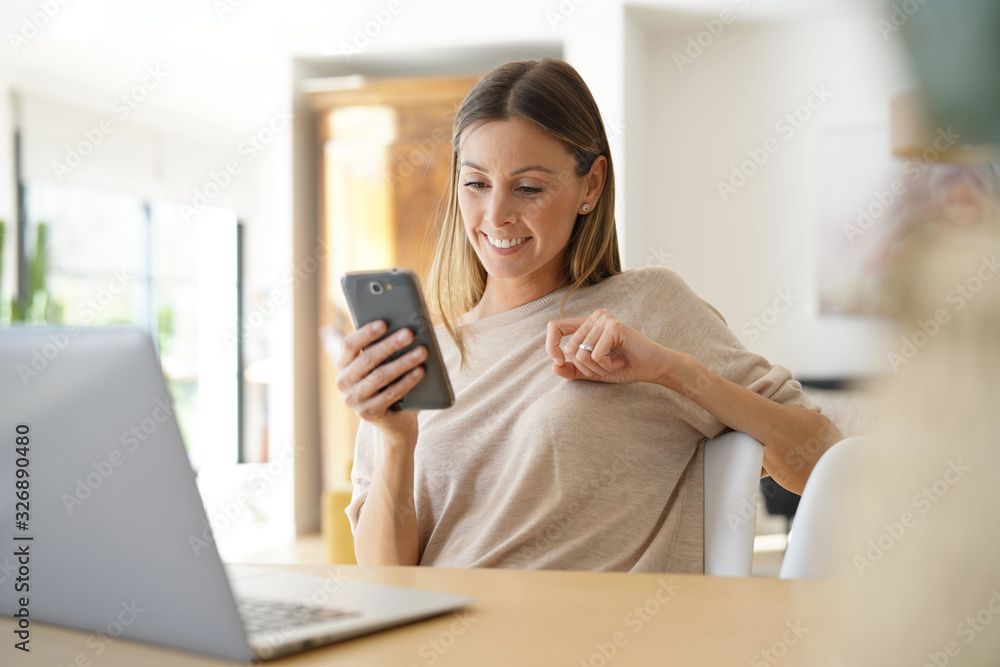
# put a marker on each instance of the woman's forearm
(793, 437)
(386, 533)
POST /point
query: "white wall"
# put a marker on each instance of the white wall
(688, 125)
(673, 135)
(597, 47)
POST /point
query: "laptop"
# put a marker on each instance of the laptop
(113, 529)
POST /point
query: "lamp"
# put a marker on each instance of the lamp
(918, 135)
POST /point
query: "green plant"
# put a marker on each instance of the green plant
(165, 327)
(38, 305)
(2, 231)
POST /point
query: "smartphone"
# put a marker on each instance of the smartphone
(394, 296)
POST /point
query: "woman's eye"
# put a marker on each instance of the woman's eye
(479, 185)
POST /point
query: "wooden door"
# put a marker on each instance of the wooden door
(385, 159)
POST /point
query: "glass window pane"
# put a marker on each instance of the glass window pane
(93, 265)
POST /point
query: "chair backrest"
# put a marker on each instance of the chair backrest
(732, 484)
(812, 539)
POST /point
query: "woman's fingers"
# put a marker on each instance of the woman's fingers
(355, 341)
(568, 371)
(609, 345)
(359, 363)
(385, 374)
(555, 331)
(588, 336)
(601, 355)
(363, 375)
(600, 331)
(375, 407)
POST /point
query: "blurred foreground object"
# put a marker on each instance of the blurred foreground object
(919, 553)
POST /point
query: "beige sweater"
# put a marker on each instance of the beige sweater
(529, 470)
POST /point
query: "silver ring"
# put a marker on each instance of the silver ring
(588, 348)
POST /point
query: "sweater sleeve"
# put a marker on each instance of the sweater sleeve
(361, 471)
(670, 313)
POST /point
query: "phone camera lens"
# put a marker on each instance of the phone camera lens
(375, 287)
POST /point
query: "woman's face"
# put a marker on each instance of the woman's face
(518, 188)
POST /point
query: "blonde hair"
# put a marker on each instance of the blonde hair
(551, 94)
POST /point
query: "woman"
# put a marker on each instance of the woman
(578, 455)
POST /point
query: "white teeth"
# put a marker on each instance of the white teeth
(506, 243)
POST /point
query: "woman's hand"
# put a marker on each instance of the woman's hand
(620, 355)
(362, 380)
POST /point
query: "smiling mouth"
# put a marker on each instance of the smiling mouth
(506, 242)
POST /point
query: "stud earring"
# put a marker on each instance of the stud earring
(586, 208)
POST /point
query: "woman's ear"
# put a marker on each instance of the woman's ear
(596, 177)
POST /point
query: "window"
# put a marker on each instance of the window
(97, 257)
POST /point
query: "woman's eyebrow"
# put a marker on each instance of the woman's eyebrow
(534, 167)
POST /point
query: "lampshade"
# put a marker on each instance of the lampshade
(917, 135)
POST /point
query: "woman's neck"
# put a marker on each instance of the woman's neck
(503, 295)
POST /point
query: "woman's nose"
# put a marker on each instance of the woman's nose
(500, 209)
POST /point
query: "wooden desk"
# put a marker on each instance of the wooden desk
(577, 619)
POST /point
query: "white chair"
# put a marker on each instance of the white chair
(732, 484)
(811, 541)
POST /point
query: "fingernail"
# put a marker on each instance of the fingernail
(379, 326)
(403, 335)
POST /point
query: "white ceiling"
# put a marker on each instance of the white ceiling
(227, 61)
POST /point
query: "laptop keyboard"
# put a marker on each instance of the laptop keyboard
(271, 615)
